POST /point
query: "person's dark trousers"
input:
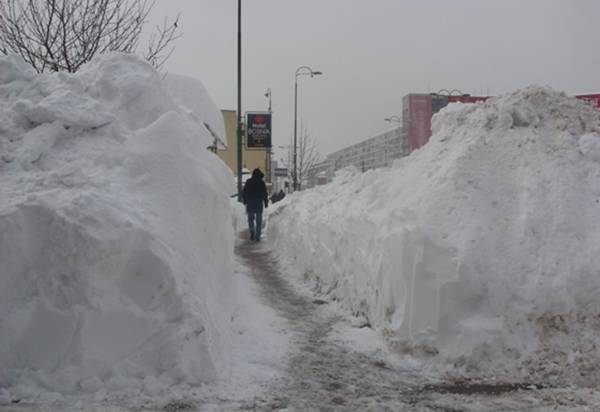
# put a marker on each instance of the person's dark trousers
(255, 230)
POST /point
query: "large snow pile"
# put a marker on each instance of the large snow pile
(193, 97)
(482, 248)
(116, 242)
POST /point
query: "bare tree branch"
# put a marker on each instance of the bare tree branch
(61, 35)
(158, 50)
(308, 155)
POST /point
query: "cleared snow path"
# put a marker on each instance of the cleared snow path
(322, 374)
(325, 373)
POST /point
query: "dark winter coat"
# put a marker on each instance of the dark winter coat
(255, 193)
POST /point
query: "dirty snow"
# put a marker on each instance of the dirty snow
(478, 254)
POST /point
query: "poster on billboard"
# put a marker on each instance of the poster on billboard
(258, 130)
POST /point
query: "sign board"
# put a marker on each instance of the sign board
(593, 98)
(258, 130)
(467, 99)
(281, 172)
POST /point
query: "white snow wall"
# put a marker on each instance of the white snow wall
(484, 245)
(116, 241)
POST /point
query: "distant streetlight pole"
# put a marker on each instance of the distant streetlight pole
(269, 159)
(239, 102)
(268, 96)
(300, 71)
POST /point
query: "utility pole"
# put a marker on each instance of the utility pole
(302, 70)
(239, 102)
(268, 96)
(269, 154)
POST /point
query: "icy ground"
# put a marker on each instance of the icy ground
(334, 362)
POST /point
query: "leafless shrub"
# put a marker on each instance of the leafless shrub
(308, 156)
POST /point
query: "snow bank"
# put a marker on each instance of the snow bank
(483, 247)
(239, 216)
(191, 94)
(116, 241)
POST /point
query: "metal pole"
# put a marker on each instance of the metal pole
(298, 72)
(295, 185)
(239, 102)
(268, 160)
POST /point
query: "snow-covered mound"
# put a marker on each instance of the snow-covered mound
(191, 94)
(482, 247)
(116, 241)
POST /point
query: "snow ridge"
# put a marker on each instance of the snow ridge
(481, 248)
(109, 279)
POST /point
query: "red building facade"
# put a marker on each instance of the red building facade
(418, 108)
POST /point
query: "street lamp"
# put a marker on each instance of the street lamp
(448, 93)
(239, 102)
(268, 96)
(394, 118)
(300, 71)
(269, 159)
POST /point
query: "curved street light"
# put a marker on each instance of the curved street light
(300, 71)
(446, 92)
(394, 118)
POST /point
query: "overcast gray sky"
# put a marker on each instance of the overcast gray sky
(373, 52)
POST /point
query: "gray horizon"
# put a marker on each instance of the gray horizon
(373, 53)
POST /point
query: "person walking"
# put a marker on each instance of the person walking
(281, 195)
(254, 195)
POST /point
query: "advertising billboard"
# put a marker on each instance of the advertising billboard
(258, 130)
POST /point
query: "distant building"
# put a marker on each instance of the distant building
(418, 108)
(319, 174)
(378, 151)
(383, 149)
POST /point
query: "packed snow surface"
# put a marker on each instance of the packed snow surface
(116, 241)
(481, 249)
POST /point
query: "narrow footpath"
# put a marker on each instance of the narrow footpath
(323, 374)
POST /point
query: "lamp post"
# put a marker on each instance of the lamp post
(300, 71)
(269, 160)
(239, 102)
(268, 96)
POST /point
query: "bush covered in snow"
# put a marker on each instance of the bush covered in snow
(116, 239)
(482, 248)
